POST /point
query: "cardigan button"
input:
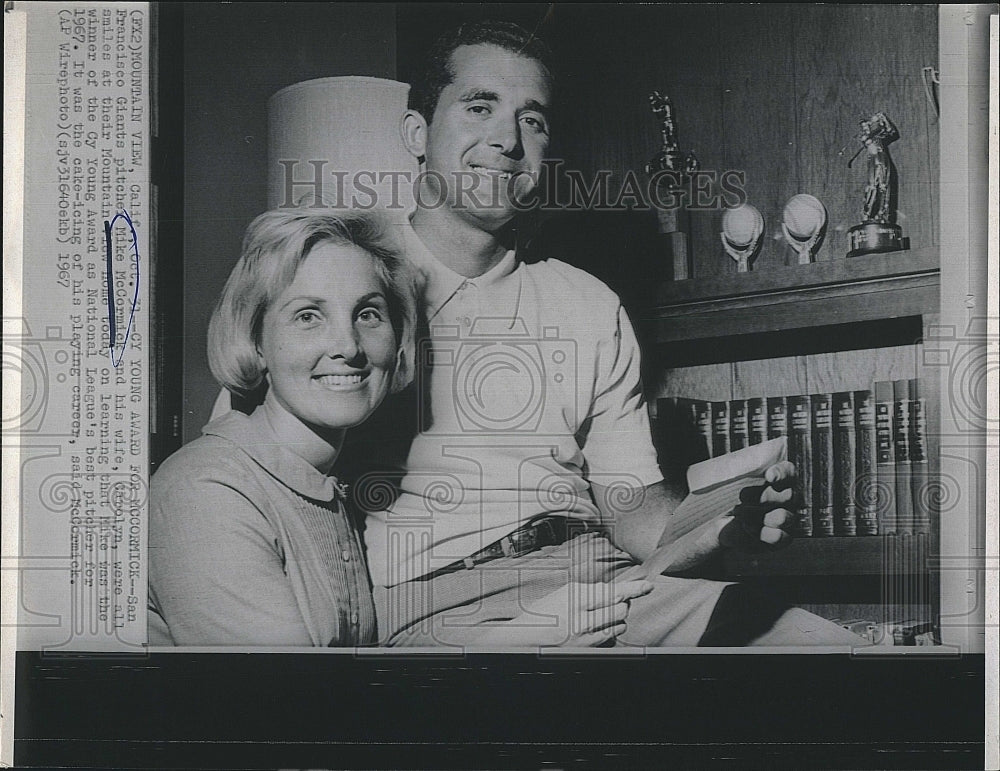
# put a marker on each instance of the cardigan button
(346, 555)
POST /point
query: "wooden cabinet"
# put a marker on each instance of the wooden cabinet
(775, 92)
(854, 322)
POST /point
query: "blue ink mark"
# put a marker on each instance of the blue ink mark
(112, 326)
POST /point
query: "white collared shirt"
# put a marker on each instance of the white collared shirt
(532, 392)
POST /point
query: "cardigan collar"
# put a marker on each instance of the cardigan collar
(275, 458)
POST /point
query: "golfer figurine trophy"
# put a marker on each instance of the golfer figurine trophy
(878, 232)
(670, 170)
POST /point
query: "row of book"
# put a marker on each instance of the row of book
(860, 456)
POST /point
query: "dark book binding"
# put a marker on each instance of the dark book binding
(757, 419)
(844, 464)
(777, 416)
(901, 448)
(739, 426)
(919, 475)
(822, 443)
(800, 453)
(668, 436)
(701, 413)
(720, 428)
(866, 487)
(885, 458)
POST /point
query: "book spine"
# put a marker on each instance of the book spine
(822, 442)
(739, 427)
(800, 453)
(702, 415)
(844, 464)
(720, 428)
(920, 476)
(666, 422)
(866, 489)
(885, 458)
(777, 417)
(901, 447)
(757, 420)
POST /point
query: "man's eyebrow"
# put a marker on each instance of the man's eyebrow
(531, 104)
(480, 95)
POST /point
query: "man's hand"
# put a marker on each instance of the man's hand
(760, 519)
(758, 522)
(578, 614)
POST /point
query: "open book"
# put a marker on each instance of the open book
(715, 486)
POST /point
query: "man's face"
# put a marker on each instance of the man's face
(489, 133)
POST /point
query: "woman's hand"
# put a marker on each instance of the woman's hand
(577, 615)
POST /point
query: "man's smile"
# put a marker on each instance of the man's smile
(491, 172)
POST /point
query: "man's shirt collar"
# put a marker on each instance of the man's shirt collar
(440, 283)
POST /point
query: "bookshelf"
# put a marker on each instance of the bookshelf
(835, 556)
(841, 325)
(872, 288)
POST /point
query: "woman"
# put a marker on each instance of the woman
(250, 540)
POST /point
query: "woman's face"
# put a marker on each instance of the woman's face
(327, 342)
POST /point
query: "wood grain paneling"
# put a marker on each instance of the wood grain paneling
(775, 91)
(605, 102)
(850, 62)
(759, 116)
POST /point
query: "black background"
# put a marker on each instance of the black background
(500, 711)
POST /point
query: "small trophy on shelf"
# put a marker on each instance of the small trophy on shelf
(670, 169)
(803, 223)
(878, 232)
(742, 229)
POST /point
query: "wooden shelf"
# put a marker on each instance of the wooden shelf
(837, 556)
(880, 286)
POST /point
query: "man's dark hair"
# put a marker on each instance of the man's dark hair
(436, 71)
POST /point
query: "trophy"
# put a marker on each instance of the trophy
(742, 229)
(803, 222)
(670, 169)
(878, 232)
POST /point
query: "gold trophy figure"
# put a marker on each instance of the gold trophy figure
(878, 232)
(670, 169)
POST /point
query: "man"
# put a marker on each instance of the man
(531, 471)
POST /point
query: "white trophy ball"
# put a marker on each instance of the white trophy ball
(742, 225)
(804, 215)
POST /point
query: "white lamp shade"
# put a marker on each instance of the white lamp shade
(344, 132)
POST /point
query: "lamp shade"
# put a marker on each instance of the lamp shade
(338, 141)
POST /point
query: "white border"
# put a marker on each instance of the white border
(992, 756)
(15, 26)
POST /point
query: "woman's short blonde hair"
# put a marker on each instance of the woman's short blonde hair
(275, 244)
